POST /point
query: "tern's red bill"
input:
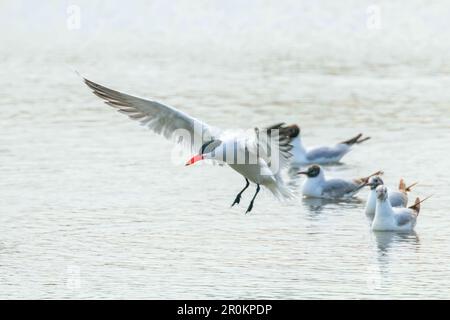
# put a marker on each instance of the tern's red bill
(194, 159)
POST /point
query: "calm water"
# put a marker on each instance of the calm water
(91, 206)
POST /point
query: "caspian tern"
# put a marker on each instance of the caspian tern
(317, 185)
(397, 198)
(388, 218)
(318, 155)
(258, 155)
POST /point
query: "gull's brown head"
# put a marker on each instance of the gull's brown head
(312, 171)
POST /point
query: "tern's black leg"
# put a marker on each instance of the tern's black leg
(238, 197)
(250, 207)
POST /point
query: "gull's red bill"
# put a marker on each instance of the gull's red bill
(194, 159)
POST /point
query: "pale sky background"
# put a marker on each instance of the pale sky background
(407, 28)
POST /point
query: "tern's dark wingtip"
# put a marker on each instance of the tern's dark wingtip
(79, 74)
(89, 83)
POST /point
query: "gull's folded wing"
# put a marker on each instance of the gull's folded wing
(403, 218)
(339, 187)
(160, 118)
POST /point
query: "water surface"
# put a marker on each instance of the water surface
(91, 206)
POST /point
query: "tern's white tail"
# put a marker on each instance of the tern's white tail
(279, 189)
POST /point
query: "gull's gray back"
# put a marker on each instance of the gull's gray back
(334, 152)
(398, 199)
(340, 188)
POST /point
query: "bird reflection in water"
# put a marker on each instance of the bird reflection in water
(317, 205)
(385, 240)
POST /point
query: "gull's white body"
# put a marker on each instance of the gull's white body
(388, 218)
(320, 187)
(317, 155)
(396, 198)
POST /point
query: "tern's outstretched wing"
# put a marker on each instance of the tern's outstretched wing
(273, 146)
(160, 118)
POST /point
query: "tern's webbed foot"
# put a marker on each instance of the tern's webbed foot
(237, 200)
(250, 207)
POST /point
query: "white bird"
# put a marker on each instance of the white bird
(397, 198)
(317, 185)
(258, 155)
(388, 218)
(318, 155)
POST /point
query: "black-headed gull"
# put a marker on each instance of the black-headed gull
(397, 198)
(256, 154)
(388, 218)
(317, 185)
(318, 155)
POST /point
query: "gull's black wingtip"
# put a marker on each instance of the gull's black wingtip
(355, 140)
